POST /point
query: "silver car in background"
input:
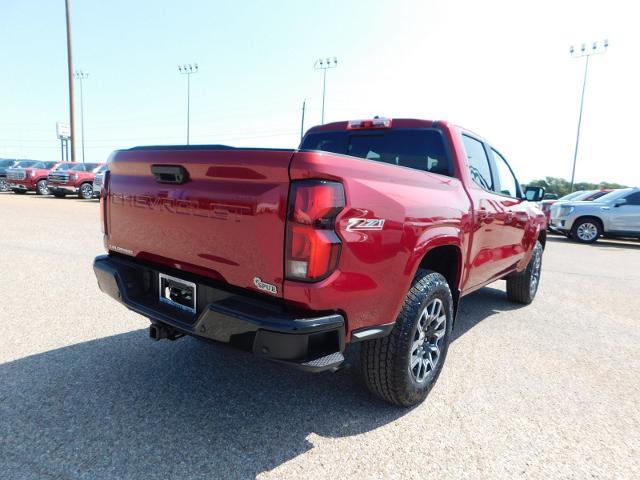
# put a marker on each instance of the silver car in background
(616, 214)
(98, 181)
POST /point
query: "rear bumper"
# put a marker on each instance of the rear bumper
(270, 330)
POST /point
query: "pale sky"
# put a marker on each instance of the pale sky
(499, 68)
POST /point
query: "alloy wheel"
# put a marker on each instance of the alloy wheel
(86, 190)
(43, 188)
(536, 267)
(587, 231)
(426, 348)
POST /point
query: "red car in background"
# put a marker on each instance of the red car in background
(77, 180)
(30, 175)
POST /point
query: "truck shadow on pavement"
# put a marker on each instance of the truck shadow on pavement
(126, 407)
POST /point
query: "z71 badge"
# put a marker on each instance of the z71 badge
(358, 224)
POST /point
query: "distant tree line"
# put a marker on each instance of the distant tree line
(560, 186)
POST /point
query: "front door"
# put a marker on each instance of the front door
(626, 216)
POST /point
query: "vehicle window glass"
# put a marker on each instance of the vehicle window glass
(78, 168)
(611, 196)
(507, 184)
(418, 149)
(478, 162)
(633, 199)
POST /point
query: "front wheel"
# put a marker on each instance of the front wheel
(403, 367)
(586, 230)
(522, 287)
(42, 188)
(86, 191)
(4, 185)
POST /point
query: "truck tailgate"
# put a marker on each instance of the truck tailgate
(225, 219)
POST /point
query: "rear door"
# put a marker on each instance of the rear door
(218, 213)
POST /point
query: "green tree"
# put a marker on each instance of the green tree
(560, 186)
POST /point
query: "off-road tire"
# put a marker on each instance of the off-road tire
(386, 362)
(522, 287)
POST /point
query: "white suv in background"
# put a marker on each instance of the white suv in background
(616, 214)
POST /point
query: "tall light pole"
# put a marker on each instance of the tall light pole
(584, 52)
(72, 122)
(188, 70)
(304, 105)
(324, 65)
(80, 75)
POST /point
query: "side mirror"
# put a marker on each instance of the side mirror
(620, 202)
(534, 194)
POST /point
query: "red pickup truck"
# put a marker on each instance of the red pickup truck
(369, 233)
(30, 176)
(76, 180)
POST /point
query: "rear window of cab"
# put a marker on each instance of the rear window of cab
(420, 149)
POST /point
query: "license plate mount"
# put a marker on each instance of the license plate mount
(176, 292)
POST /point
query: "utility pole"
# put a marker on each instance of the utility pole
(80, 75)
(188, 70)
(304, 103)
(72, 123)
(324, 65)
(587, 54)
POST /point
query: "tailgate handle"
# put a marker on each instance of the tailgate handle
(170, 174)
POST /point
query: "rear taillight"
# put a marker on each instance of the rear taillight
(313, 247)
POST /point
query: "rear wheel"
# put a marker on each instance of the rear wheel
(586, 230)
(42, 188)
(403, 367)
(522, 287)
(86, 191)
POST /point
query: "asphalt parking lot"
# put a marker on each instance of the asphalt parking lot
(551, 390)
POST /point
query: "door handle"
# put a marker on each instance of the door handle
(170, 174)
